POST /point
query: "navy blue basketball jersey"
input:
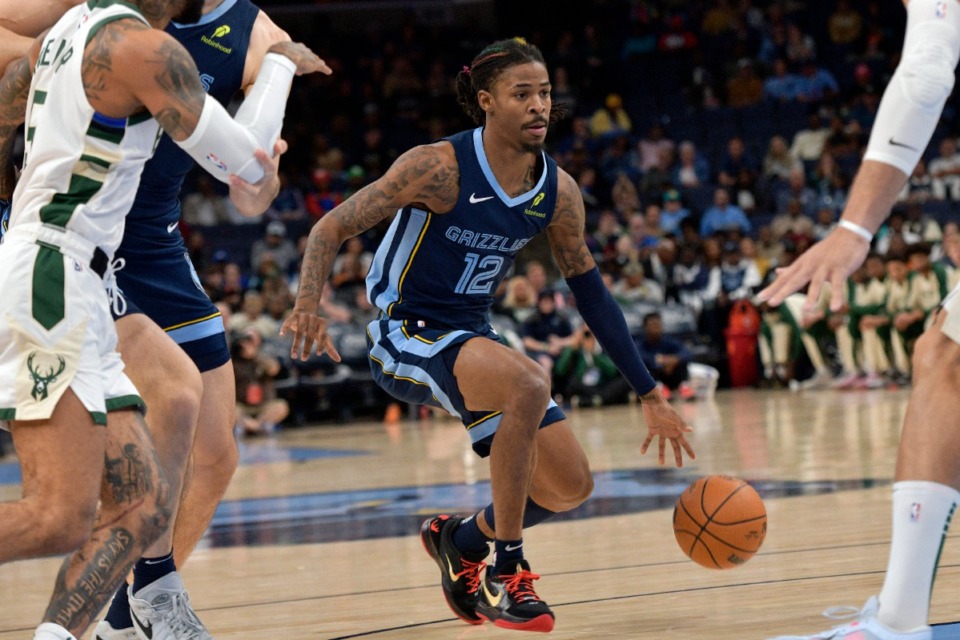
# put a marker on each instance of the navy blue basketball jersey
(218, 44)
(443, 269)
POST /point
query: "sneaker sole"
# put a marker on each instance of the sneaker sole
(542, 623)
(427, 541)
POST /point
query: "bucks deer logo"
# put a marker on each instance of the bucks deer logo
(41, 380)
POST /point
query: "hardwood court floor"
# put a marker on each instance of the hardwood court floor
(317, 535)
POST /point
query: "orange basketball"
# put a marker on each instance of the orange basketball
(719, 522)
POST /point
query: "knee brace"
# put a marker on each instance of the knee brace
(914, 99)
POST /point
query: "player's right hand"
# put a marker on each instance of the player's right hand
(831, 260)
(305, 59)
(308, 329)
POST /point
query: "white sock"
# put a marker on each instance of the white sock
(921, 518)
(51, 631)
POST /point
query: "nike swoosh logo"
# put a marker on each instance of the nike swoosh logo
(172, 226)
(512, 547)
(474, 199)
(493, 599)
(147, 630)
(453, 575)
(900, 144)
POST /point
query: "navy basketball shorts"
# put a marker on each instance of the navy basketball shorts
(165, 287)
(416, 365)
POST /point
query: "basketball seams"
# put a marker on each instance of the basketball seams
(710, 522)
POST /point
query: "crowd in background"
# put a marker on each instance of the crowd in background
(712, 142)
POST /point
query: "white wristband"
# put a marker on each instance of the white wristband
(857, 229)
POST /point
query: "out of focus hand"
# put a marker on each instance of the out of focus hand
(831, 260)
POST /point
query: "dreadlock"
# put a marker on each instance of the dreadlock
(487, 67)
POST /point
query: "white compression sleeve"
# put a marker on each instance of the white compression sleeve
(914, 99)
(262, 110)
(222, 145)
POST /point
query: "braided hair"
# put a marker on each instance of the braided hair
(487, 67)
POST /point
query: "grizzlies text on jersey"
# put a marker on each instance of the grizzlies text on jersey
(443, 269)
(434, 277)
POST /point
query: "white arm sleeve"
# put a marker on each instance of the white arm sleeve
(914, 99)
(222, 145)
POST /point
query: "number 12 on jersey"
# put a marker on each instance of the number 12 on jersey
(479, 274)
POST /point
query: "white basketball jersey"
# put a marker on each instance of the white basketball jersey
(81, 169)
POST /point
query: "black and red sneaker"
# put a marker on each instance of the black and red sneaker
(508, 600)
(459, 572)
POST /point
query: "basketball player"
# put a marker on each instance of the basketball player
(467, 205)
(925, 491)
(186, 375)
(89, 132)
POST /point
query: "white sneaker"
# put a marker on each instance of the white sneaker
(865, 627)
(105, 631)
(161, 611)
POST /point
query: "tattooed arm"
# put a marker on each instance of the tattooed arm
(565, 232)
(32, 18)
(127, 66)
(605, 318)
(427, 176)
(14, 90)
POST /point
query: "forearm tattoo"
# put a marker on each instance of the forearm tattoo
(421, 176)
(14, 90)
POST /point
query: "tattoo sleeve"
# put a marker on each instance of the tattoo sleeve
(565, 232)
(422, 176)
(14, 89)
(179, 79)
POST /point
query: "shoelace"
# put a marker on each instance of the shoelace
(183, 622)
(117, 302)
(520, 585)
(471, 571)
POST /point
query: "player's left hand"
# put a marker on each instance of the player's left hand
(253, 198)
(309, 329)
(665, 423)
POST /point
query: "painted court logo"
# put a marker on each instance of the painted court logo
(213, 40)
(42, 376)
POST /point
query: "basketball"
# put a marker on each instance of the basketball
(719, 522)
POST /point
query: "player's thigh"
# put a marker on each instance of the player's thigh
(156, 364)
(214, 439)
(62, 458)
(938, 348)
(562, 470)
(491, 376)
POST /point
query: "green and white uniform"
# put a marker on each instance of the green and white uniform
(79, 179)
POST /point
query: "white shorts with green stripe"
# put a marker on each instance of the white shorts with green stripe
(56, 331)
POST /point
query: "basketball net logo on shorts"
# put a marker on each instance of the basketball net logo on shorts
(42, 381)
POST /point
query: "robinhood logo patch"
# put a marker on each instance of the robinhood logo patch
(218, 33)
(536, 202)
(43, 375)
